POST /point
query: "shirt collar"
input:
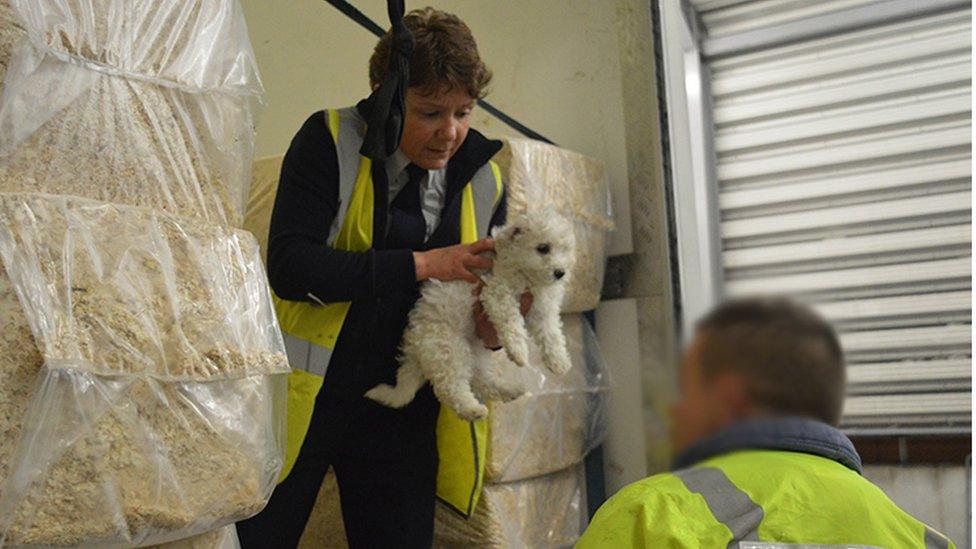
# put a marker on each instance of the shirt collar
(794, 434)
(396, 164)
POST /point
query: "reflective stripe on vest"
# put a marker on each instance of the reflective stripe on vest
(730, 506)
(774, 545)
(311, 329)
(935, 540)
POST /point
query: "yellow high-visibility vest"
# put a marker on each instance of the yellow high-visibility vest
(311, 330)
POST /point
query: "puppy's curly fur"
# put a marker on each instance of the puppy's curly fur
(533, 252)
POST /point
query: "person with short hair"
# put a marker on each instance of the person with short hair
(759, 457)
(353, 233)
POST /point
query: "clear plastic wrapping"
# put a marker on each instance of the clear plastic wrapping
(222, 538)
(11, 31)
(547, 511)
(158, 413)
(20, 363)
(145, 103)
(559, 419)
(577, 187)
(115, 289)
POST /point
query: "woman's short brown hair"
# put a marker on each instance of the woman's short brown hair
(444, 53)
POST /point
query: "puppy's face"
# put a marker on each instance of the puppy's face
(540, 245)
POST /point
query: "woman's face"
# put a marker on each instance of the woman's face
(435, 126)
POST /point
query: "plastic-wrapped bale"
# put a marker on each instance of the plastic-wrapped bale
(222, 538)
(11, 31)
(546, 511)
(325, 529)
(264, 186)
(576, 186)
(20, 364)
(560, 418)
(158, 414)
(145, 103)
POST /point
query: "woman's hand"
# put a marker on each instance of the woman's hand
(483, 327)
(453, 262)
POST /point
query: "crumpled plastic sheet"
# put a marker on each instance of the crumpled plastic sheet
(547, 511)
(222, 538)
(577, 187)
(559, 420)
(140, 102)
(158, 414)
(11, 31)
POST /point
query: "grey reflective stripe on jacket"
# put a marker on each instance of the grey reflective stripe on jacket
(307, 356)
(730, 505)
(486, 191)
(774, 545)
(935, 540)
(352, 128)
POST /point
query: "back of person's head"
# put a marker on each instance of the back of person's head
(444, 53)
(787, 355)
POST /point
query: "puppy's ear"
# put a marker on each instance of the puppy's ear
(508, 232)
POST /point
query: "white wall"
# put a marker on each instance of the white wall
(936, 495)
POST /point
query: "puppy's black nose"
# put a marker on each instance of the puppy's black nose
(558, 273)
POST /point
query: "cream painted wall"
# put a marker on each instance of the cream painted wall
(556, 66)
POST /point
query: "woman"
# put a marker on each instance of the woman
(350, 241)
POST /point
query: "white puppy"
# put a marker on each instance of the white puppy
(533, 253)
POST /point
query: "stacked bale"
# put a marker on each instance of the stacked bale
(534, 492)
(11, 31)
(142, 371)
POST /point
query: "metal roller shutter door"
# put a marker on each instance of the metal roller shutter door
(844, 173)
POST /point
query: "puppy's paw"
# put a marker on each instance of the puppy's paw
(518, 352)
(473, 412)
(557, 363)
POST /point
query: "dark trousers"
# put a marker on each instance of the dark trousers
(385, 462)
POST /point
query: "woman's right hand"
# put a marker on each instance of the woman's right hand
(453, 262)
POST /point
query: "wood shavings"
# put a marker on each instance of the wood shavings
(547, 511)
(156, 412)
(180, 300)
(20, 364)
(11, 31)
(130, 143)
(576, 186)
(172, 297)
(151, 462)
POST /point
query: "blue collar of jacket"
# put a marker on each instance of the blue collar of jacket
(793, 434)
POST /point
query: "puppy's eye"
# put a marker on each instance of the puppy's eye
(542, 249)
